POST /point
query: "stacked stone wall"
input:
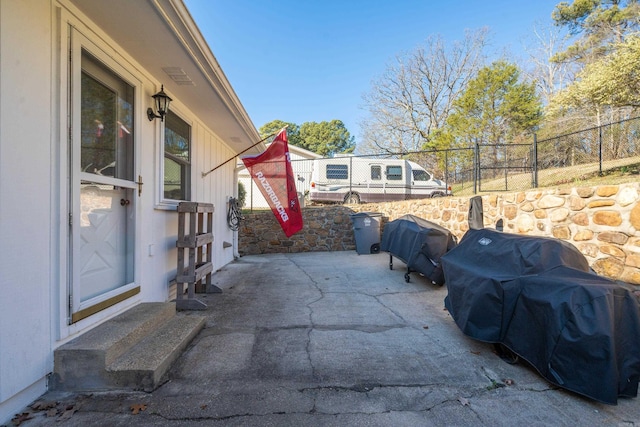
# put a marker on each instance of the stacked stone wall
(325, 229)
(603, 222)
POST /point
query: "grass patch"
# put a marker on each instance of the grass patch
(618, 171)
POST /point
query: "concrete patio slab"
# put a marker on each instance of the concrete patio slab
(335, 339)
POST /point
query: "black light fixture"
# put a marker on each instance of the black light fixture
(162, 101)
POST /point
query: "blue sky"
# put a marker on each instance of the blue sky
(312, 60)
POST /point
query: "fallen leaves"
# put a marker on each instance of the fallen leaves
(68, 412)
(137, 408)
(51, 409)
(62, 411)
(20, 418)
(44, 405)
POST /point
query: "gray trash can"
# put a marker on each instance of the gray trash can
(366, 230)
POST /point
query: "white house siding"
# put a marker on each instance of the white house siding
(208, 152)
(33, 192)
(217, 187)
(26, 229)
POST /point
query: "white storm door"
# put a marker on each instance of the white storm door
(105, 254)
(103, 187)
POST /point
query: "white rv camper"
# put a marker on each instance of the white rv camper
(366, 180)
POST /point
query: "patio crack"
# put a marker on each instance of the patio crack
(395, 313)
(367, 388)
(312, 325)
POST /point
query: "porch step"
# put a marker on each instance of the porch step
(142, 367)
(132, 350)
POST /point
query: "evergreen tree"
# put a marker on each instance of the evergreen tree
(273, 127)
(496, 108)
(326, 138)
(597, 25)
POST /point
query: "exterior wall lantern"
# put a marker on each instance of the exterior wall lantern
(161, 101)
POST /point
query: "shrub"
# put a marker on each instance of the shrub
(242, 194)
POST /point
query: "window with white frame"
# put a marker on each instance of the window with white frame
(177, 158)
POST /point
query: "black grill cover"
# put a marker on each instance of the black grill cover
(476, 213)
(419, 244)
(537, 297)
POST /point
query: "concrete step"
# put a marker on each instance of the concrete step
(84, 363)
(142, 367)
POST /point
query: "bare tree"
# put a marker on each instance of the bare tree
(415, 95)
(548, 76)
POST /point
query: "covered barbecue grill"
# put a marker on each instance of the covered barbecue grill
(419, 244)
(537, 297)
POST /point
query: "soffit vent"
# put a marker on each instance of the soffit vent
(179, 76)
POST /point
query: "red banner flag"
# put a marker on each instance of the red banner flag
(272, 173)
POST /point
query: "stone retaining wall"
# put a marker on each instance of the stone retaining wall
(602, 222)
(325, 229)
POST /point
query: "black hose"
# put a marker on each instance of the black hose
(234, 215)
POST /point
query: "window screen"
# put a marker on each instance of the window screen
(337, 172)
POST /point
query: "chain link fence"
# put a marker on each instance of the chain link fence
(598, 150)
(465, 171)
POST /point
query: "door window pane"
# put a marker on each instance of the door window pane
(105, 258)
(106, 120)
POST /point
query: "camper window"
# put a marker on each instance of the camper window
(420, 175)
(337, 172)
(376, 173)
(394, 173)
